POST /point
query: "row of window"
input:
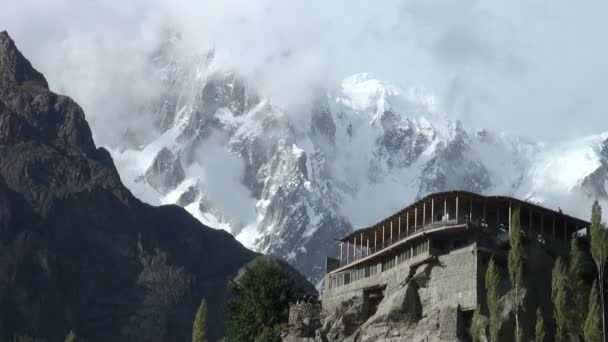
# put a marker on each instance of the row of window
(364, 271)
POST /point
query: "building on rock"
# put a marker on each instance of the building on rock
(419, 274)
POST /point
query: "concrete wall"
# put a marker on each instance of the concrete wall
(454, 280)
(448, 281)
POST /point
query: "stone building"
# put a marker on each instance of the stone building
(419, 274)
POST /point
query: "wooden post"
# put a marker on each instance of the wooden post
(471, 209)
(485, 207)
(341, 244)
(375, 240)
(445, 209)
(542, 223)
(456, 208)
(367, 247)
(510, 215)
(347, 251)
(530, 223)
(399, 228)
(383, 236)
(391, 231)
(432, 210)
(407, 223)
(415, 218)
(362, 244)
(497, 216)
(355, 249)
(423, 213)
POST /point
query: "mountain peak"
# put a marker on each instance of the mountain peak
(15, 69)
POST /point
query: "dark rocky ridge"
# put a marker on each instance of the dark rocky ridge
(77, 249)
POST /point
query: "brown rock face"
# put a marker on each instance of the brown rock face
(77, 250)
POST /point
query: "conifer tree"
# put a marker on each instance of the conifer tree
(492, 282)
(599, 251)
(199, 327)
(476, 329)
(559, 296)
(72, 337)
(539, 330)
(593, 326)
(515, 266)
(579, 289)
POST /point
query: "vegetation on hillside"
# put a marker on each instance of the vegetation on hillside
(259, 307)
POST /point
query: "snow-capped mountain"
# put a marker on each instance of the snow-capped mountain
(289, 183)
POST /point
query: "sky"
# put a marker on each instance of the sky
(534, 68)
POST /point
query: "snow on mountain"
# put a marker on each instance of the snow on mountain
(238, 162)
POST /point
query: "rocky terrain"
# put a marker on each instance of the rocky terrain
(346, 157)
(411, 310)
(77, 249)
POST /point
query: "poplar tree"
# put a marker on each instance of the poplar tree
(593, 326)
(476, 330)
(199, 327)
(539, 330)
(72, 337)
(599, 252)
(579, 289)
(559, 296)
(515, 266)
(492, 282)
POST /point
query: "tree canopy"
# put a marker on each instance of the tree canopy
(260, 303)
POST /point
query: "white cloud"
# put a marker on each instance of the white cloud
(533, 67)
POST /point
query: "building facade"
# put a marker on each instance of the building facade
(444, 241)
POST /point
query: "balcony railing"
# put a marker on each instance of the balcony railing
(362, 253)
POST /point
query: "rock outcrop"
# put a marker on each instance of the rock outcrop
(417, 309)
(77, 249)
(166, 172)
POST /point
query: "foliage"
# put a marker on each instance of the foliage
(476, 329)
(599, 252)
(21, 338)
(260, 303)
(199, 327)
(271, 334)
(492, 282)
(72, 337)
(559, 296)
(539, 329)
(24, 338)
(593, 326)
(515, 265)
(578, 287)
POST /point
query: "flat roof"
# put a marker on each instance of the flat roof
(371, 228)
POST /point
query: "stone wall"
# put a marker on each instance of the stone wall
(431, 298)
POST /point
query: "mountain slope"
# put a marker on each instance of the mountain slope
(77, 249)
(347, 157)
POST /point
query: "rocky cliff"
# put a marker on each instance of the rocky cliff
(429, 304)
(343, 157)
(77, 249)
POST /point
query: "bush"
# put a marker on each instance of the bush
(260, 304)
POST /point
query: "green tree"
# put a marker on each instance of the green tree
(559, 296)
(593, 326)
(476, 329)
(515, 266)
(493, 298)
(22, 338)
(259, 304)
(579, 289)
(72, 337)
(599, 252)
(539, 329)
(199, 327)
